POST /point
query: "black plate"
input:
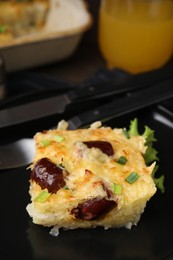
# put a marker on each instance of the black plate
(150, 239)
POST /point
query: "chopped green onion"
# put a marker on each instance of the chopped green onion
(60, 166)
(66, 187)
(117, 188)
(45, 143)
(122, 160)
(23, 0)
(125, 132)
(2, 28)
(132, 177)
(58, 138)
(42, 196)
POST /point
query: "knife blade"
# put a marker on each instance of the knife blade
(118, 107)
(57, 104)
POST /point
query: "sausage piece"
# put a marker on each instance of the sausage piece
(93, 209)
(104, 146)
(48, 175)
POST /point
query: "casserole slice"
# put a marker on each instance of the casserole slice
(90, 177)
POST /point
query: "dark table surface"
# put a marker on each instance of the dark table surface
(82, 64)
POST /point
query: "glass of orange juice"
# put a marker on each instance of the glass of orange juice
(136, 35)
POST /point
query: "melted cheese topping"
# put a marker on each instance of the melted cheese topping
(91, 174)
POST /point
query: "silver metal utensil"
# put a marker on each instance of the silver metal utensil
(17, 154)
(101, 89)
(21, 153)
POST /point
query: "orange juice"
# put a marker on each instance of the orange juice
(136, 35)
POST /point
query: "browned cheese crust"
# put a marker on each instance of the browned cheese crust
(78, 172)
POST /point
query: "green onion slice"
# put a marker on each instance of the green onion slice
(66, 187)
(117, 188)
(42, 196)
(45, 143)
(58, 138)
(122, 160)
(132, 177)
(2, 28)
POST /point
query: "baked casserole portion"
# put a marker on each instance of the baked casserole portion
(90, 177)
(18, 17)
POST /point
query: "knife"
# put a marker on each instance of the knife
(118, 107)
(57, 104)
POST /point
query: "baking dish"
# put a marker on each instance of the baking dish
(66, 22)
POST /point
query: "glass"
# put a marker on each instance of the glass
(136, 35)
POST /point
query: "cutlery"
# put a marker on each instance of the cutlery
(21, 152)
(17, 154)
(38, 84)
(101, 89)
(121, 106)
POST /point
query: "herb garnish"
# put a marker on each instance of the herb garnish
(122, 160)
(117, 188)
(133, 176)
(42, 196)
(44, 143)
(151, 153)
